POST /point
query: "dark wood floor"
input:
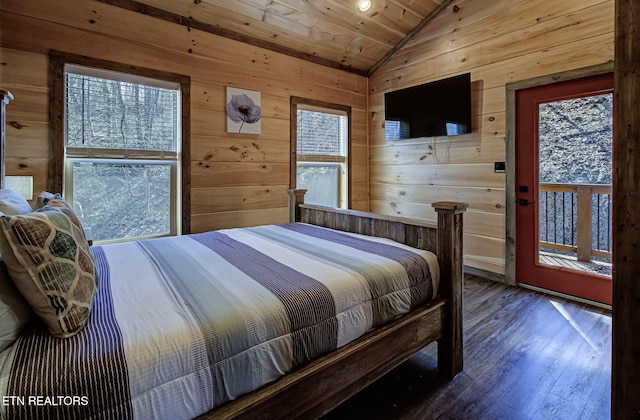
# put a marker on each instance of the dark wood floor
(527, 356)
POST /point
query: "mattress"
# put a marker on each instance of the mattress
(183, 324)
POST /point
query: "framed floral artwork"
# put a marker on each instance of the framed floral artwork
(243, 111)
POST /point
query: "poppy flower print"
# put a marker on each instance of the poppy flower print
(243, 111)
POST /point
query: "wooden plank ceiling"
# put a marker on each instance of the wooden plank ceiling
(329, 32)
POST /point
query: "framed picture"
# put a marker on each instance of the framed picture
(243, 111)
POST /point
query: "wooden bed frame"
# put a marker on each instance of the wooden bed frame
(318, 387)
(5, 97)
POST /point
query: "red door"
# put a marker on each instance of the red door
(542, 160)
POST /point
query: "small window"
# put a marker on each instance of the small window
(122, 153)
(321, 152)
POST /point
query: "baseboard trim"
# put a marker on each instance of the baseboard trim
(500, 278)
(565, 296)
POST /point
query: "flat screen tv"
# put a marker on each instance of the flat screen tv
(440, 108)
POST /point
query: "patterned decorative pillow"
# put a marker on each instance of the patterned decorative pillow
(49, 261)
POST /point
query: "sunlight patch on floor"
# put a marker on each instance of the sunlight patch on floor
(561, 309)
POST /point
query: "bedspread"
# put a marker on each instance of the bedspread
(183, 324)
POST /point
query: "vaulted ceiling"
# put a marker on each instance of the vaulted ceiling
(334, 33)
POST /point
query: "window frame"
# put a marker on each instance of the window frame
(327, 107)
(57, 162)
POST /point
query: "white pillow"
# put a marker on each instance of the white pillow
(12, 203)
(15, 311)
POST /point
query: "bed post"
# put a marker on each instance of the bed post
(449, 254)
(5, 97)
(296, 198)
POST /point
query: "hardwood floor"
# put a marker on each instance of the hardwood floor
(527, 356)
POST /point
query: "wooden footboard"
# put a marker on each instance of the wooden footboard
(443, 239)
(325, 383)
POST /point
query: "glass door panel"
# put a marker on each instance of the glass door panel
(574, 164)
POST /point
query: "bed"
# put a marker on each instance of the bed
(332, 300)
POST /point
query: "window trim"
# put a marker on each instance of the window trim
(57, 62)
(319, 106)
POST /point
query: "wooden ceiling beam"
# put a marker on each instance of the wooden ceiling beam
(410, 35)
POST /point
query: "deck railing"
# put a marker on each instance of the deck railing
(576, 218)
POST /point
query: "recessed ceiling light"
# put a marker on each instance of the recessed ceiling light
(364, 5)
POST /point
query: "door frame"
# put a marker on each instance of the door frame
(510, 193)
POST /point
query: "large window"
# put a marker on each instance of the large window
(321, 150)
(122, 149)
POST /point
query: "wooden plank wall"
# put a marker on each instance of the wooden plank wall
(237, 180)
(498, 41)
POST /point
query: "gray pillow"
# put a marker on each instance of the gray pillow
(44, 198)
(15, 311)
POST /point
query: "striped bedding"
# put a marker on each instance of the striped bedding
(183, 324)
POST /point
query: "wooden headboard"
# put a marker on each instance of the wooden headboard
(5, 97)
